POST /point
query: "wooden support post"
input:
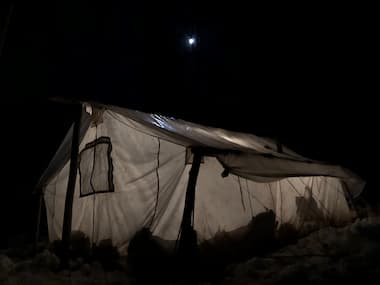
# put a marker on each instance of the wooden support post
(350, 200)
(186, 242)
(4, 32)
(279, 145)
(40, 199)
(67, 217)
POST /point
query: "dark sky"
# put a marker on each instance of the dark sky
(302, 73)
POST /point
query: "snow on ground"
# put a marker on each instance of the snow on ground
(330, 255)
(43, 269)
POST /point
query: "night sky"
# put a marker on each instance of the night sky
(303, 74)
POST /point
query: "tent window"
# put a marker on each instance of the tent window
(95, 167)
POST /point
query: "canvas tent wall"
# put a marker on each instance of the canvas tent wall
(134, 167)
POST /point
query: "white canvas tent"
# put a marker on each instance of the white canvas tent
(133, 171)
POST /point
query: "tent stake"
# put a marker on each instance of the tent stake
(67, 217)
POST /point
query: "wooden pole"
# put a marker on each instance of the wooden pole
(186, 242)
(38, 220)
(67, 217)
(278, 144)
(6, 26)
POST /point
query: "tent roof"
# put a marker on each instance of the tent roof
(189, 134)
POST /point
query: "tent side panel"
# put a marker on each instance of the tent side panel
(148, 181)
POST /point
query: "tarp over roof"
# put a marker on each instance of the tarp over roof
(245, 155)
